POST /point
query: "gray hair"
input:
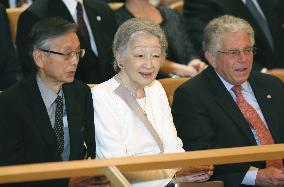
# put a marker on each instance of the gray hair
(130, 29)
(216, 28)
(47, 29)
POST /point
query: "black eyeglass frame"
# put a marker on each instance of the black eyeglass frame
(68, 55)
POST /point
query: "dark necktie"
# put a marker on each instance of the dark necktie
(58, 126)
(82, 26)
(261, 21)
(255, 121)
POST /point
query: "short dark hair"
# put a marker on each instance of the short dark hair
(49, 28)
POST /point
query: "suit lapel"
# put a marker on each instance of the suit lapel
(239, 9)
(95, 20)
(73, 117)
(224, 99)
(57, 8)
(97, 23)
(40, 115)
(265, 101)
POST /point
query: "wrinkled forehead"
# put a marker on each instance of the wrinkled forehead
(236, 40)
(67, 40)
(144, 39)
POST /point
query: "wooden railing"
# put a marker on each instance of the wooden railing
(13, 16)
(113, 168)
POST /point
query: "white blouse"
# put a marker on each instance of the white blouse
(119, 132)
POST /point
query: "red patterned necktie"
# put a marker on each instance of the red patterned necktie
(255, 121)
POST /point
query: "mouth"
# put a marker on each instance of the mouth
(241, 70)
(71, 73)
(146, 74)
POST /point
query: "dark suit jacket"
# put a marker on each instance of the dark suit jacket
(8, 63)
(26, 134)
(206, 117)
(103, 30)
(198, 13)
(5, 3)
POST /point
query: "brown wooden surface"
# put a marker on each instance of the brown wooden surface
(177, 5)
(13, 16)
(175, 160)
(170, 85)
(115, 6)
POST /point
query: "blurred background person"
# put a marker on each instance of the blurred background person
(96, 27)
(265, 16)
(8, 59)
(15, 3)
(132, 113)
(182, 60)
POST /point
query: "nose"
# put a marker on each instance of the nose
(149, 61)
(242, 56)
(74, 59)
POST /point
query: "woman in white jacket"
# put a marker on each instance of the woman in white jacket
(132, 114)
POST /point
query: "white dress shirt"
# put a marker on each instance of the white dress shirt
(119, 132)
(257, 6)
(71, 6)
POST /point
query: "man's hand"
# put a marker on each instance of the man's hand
(270, 177)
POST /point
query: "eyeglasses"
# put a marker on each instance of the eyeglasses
(236, 52)
(67, 56)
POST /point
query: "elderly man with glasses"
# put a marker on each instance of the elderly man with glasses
(48, 116)
(228, 105)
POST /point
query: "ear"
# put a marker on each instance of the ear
(210, 58)
(38, 58)
(118, 60)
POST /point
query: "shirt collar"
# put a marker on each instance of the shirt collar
(229, 86)
(47, 94)
(71, 4)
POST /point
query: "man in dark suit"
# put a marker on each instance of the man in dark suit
(210, 112)
(48, 116)
(96, 66)
(8, 63)
(198, 13)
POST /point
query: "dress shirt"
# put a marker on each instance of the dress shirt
(263, 70)
(257, 6)
(13, 3)
(248, 94)
(119, 131)
(71, 6)
(49, 96)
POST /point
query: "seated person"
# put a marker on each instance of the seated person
(182, 60)
(132, 113)
(229, 105)
(48, 116)
(8, 61)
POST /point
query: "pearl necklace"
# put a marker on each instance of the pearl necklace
(142, 101)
